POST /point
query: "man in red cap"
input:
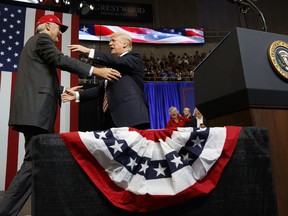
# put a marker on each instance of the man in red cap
(36, 97)
(53, 19)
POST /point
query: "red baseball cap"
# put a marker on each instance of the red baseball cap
(54, 19)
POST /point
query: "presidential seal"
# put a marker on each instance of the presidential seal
(278, 58)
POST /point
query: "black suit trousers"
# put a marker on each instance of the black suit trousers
(20, 188)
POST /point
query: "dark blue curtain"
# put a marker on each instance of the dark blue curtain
(162, 95)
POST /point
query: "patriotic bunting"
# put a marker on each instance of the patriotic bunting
(145, 170)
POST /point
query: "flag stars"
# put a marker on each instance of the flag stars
(11, 26)
(18, 32)
(5, 9)
(18, 21)
(155, 36)
(15, 66)
(2, 53)
(102, 134)
(85, 29)
(9, 48)
(160, 170)
(17, 43)
(12, 15)
(1, 65)
(4, 30)
(19, 11)
(117, 147)
(177, 161)
(186, 157)
(197, 142)
(3, 42)
(10, 37)
(16, 54)
(5, 20)
(132, 163)
(144, 167)
(8, 60)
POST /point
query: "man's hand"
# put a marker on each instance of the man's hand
(70, 94)
(74, 88)
(202, 126)
(78, 48)
(107, 73)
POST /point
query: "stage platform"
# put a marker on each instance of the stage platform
(60, 186)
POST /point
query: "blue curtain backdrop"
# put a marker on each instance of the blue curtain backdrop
(162, 95)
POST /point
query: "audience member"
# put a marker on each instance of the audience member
(198, 120)
(186, 112)
(176, 120)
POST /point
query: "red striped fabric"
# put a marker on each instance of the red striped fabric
(146, 170)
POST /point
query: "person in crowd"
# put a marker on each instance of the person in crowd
(126, 105)
(176, 120)
(186, 112)
(198, 120)
(36, 97)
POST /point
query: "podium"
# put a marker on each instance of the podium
(237, 85)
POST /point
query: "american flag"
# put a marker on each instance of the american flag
(144, 35)
(17, 25)
(146, 170)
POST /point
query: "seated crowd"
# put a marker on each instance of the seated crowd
(171, 67)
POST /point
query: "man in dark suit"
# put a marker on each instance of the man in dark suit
(198, 120)
(36, 97)
(127, 105)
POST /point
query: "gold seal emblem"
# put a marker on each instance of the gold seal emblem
(278, 57)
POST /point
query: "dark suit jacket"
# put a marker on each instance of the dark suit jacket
(193, 122)
(37, 93)
(126, 100)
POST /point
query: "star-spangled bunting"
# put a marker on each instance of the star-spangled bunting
(143, 35)
(145, 170)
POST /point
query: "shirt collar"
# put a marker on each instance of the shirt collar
(123, 53)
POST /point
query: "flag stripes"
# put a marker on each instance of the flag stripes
(143, 35)
(152, 169)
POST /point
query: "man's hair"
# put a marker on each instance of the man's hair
(125, 37)
(40, 27)
(186, 108)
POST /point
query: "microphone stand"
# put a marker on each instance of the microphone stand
(246, 4)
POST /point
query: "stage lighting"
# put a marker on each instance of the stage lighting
(66, 2)
(84, 8)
